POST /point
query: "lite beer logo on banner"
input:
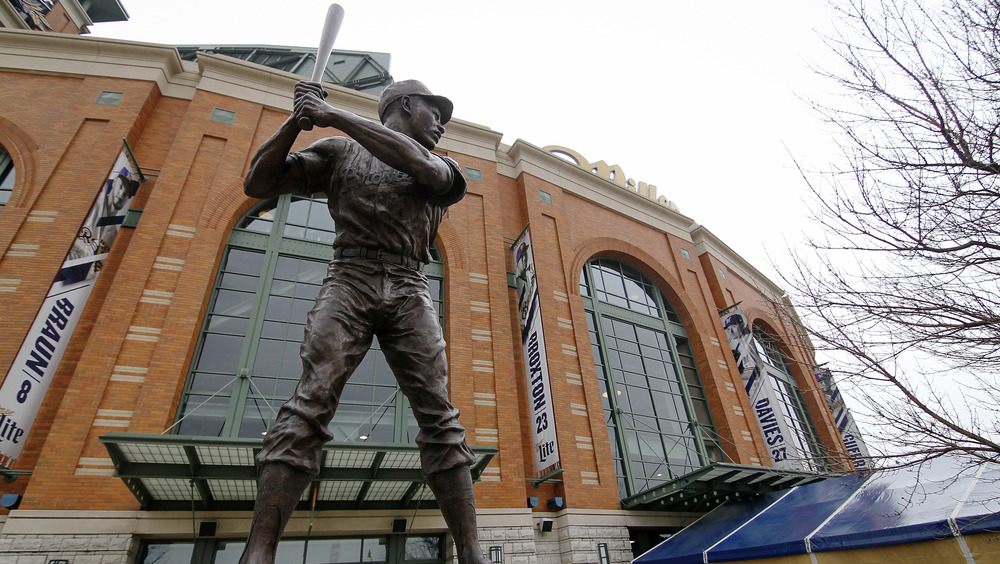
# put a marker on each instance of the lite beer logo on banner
(536, 365)
(31, 374)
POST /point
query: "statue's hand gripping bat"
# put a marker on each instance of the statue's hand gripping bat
(334, 17)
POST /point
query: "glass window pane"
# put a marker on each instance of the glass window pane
(351, 422)
(298, 213)
(228, 552)
(356, 393)
(211, 382)
(258, 414)
(424, 548)
(203, 415)
(614, 285)
(374, 550)
(221, 353)
(268, 361)
(640, 400)
(261, 219)
(382, 427)
(383, 374)
(244, 262)
(229, 325)
(233, 303)
(278, 308)
(310, 219)
(167, 553)
(239, 282)
(311, 272)
(286, 269)
(329, 551)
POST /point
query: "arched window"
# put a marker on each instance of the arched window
(7, 176)
(658, 419)
(247, 360)
(793, 407)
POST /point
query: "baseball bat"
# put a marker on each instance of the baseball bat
(334, 17)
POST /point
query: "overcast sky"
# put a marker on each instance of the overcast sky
(703, 100)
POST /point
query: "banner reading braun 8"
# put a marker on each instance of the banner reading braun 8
(31, 374)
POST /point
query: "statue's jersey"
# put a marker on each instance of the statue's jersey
(372, 204)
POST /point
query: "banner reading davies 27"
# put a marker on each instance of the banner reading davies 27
(31, 374)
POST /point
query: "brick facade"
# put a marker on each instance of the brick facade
(129, 357)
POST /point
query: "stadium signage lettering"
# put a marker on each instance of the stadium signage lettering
(614, 174)
(771, 429)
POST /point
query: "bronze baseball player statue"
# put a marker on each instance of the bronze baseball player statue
(387, 194)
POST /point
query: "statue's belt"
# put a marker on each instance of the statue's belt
(378, 254)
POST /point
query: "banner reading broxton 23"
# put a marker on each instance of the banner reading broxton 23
(535, 362)
(29, 378)
(763, 399)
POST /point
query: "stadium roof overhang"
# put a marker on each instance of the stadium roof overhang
(170, 472)
(712, 485)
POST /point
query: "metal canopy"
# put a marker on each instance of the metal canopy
(170, 472)
(708, 487)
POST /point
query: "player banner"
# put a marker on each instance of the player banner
(856, 447)
(536, 365)
(764, 401)
(31, 374)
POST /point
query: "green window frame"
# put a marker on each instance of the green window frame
(246, 363)
(659, 423)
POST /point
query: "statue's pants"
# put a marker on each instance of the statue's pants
(360, 299)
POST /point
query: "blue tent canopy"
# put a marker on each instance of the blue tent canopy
(939, 499)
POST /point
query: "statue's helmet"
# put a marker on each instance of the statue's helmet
(397, 90)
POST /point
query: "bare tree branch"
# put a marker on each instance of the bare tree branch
(902, 286)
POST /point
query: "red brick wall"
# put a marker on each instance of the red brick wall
(188, 211)
(60, 21)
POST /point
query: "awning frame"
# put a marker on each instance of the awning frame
(158, 468)
(716, 483)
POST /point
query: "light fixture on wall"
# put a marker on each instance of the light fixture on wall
(545, 525)
(10, 501)
(496, 554)
(556, 503)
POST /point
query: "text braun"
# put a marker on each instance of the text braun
(45, 345)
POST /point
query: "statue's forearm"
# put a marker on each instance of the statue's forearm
(269, 175)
